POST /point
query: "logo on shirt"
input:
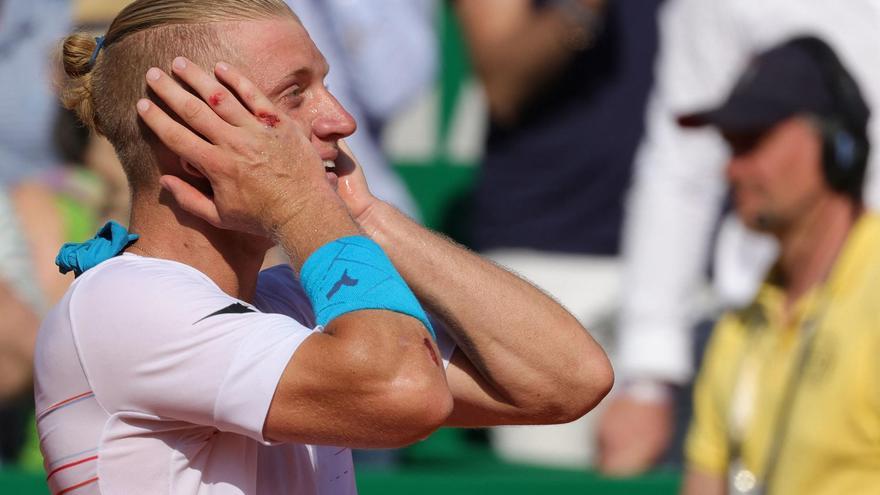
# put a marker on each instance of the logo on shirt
(234, 308)
(344, 281)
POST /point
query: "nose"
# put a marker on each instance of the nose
(332, 121)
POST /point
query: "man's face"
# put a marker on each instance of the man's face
(281, 59)
(777, 174)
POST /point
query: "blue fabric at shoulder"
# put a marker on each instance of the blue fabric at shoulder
(110, 241)
(353, 273)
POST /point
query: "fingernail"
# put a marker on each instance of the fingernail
(154, 74)
(222, 66)
(179, 63)
(143, 105)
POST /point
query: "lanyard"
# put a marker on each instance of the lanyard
(741, 411)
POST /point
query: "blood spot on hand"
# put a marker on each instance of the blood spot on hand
(215, 99)
(268, 119)
(431, 352)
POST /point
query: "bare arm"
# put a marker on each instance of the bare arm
(516, 48)
(697, 482)
(369, 379)
(522, 358)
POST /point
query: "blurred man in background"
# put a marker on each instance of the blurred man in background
(786, 400)
(567, 82)
(678, 192)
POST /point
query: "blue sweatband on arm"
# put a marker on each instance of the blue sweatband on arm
(353, 273)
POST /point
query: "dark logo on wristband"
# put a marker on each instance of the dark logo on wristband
(344, 280)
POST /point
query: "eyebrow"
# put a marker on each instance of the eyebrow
(287, 80)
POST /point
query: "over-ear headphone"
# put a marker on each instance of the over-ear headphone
(844, 132)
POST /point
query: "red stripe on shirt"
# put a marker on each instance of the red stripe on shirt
(65, 401)
(78, 485)
(70, 465)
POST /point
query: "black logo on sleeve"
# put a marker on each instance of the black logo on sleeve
(234, 308)
(344, 280)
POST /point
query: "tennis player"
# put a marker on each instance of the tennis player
(173, 365)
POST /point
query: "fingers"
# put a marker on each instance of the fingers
(259, 105)
(191, 199)
(217, 96)
(180, 140)
(188, 107)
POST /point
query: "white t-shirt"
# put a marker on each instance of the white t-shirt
(150, 379)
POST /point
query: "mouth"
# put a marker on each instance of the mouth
(330, 171)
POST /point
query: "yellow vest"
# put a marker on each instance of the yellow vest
(832, 440)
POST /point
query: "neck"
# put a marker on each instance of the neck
(810, 246)
(231, 259)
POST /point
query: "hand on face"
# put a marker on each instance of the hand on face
(352, 186)
(259, 162)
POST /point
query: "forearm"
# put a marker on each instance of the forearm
(521, 48)
(311, 224)
(372, 378)
(523, 343)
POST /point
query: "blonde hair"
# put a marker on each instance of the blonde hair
(146, 33)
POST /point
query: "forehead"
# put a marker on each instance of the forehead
(268, 51)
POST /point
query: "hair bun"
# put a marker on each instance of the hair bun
(77, 53)
(76, 87)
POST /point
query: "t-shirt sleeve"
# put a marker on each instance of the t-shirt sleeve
(706, 446)
(161, 339)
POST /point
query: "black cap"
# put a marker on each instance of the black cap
(783, 81)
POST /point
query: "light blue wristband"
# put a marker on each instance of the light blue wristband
(353, 273)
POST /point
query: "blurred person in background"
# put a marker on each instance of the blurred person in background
(21, 302)
(69, 203)
(567, 83)
(677, 197)
(61, 181)
(58, 205)
(29, 31)
(787, 400)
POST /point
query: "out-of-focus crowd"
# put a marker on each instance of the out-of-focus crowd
(692, 179)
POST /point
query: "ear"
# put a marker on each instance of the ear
(172, 164)
(191, 169)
